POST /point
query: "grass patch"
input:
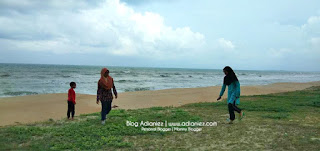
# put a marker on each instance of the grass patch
(283, 121)
(276, 115)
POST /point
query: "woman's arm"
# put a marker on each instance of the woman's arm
(115, 91)
(222, 90)
(98, 94)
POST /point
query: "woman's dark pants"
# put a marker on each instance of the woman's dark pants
(232, 108)
(106, 108)
(70, 109)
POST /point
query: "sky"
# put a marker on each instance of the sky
(206, 34)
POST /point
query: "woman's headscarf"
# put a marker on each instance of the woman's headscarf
(230, 77)
(107, 84)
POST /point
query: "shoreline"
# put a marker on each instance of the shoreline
(40, 94)
(34, 108)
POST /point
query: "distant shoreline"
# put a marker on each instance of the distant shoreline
(1, 97)
(162, 89)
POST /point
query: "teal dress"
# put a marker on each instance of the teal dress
(233, 92)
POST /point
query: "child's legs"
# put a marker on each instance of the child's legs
(72, 109)
(231, 111)
(69, 108)
(235, 107)
(103, 110)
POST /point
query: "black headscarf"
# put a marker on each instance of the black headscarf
(230, 77)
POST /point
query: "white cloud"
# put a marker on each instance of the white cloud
(315, 44)
(111, 27)
(279, 52)
(315, 41)
(225, 44)
(312, 27)
(314, 20)
(292, 40)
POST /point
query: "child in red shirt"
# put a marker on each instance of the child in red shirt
(71, 100)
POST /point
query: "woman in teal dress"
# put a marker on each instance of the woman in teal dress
(233, 84)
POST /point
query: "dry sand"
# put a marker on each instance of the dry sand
(28, 109)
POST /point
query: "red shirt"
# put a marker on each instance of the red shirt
(72, 96)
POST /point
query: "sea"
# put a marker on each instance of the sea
(32, 79)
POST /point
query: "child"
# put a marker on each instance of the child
(104, 93)
(71, 99)
(233, 84)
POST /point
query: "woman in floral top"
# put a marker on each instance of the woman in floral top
(104, 93)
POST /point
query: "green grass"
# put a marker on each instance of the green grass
(283, 121)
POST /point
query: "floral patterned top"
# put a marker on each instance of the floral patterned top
(105, 95)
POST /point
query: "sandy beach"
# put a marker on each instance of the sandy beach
(34, 108)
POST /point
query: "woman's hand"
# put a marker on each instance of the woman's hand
(218, 98)
(97, 102)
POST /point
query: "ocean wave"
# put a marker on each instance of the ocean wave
(40, 77)
(62, 75)
(65, 76)
(20, 93)
(125, 71)
(125, 81)
(5, 75)
(4, 82)
(164, 75)
(137, 89)
(90, 74)
(69, 71)
(121, 72)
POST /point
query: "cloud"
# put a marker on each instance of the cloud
(315, 44)
(315, 41)
(109, 27)
(312, 27)
(312, 30)
(279, 52)
(292, 40)
(225, 44)
(141, 2)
